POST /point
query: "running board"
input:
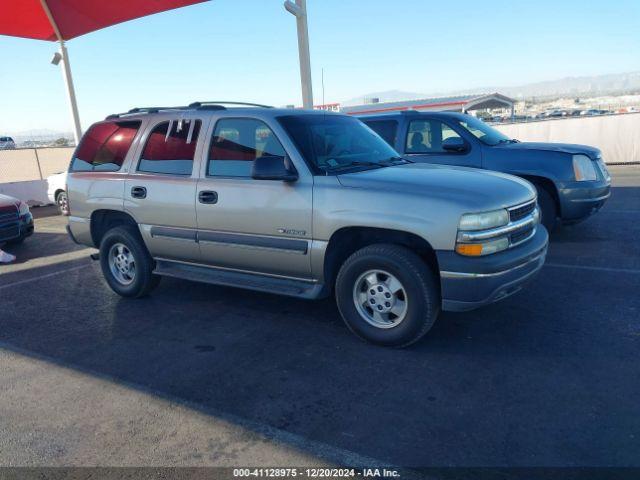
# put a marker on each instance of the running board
(227, 278)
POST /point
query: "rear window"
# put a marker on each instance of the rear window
(104, 147)
(170, 148)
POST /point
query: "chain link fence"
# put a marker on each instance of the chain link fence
(29, 164)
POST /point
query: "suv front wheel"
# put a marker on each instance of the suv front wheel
(126, 264)
(387, 295)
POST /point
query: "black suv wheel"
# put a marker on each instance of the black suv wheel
(387, 295)
(126, 264)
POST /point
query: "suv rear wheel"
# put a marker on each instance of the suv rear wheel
(387, 295)
(126, 264)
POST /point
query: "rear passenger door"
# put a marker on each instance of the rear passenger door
(161, 187)
(423, 143)
(261, 226)
(387, 129)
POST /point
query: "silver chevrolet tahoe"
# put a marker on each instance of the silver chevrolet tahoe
(299, 203)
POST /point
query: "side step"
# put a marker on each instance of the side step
(227, 278)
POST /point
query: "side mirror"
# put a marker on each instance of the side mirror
(273, 168)
(454, 144)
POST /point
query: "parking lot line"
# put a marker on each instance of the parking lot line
(42, 277)
(593, 268)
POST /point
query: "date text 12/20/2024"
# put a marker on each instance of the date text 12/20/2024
(316, 472)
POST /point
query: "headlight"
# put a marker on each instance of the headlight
(584, 169)
(23, 208)
(483, 221)
(483, 248)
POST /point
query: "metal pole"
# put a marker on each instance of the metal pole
(66, 73)
(299, 10)
(68, 81)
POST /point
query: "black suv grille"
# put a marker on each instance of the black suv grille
(521, 212)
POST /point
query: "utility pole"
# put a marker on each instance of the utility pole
(299, 10)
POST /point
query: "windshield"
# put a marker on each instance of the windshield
(332, 143)
(483, 132)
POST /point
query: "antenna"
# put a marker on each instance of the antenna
(324, 105)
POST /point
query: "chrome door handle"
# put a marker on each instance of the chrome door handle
(208, 197)
(138, 192)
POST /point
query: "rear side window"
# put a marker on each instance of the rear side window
(170, 148)
(104, 147)
(387, 129)
(237, 142)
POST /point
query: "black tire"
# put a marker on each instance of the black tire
(62, 203)
(420, 286)
(548, 209)
(143, 280)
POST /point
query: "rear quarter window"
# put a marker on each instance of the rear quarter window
(387, 129)
(104, 147)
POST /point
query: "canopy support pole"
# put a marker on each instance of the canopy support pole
(66, 73)
(299, 10)
(68, 81)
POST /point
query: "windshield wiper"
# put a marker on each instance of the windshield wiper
(363, 163)
(356, 163)
(508, 140)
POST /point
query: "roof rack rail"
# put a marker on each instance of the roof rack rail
(143, 110)
(219, 105)
(193, 106)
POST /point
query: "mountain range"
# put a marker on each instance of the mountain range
(598, 85)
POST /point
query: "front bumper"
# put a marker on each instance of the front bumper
(26, 225)
(579, 200)
(471, 282)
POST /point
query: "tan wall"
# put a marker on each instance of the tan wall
(54, 160)
(618, 136)
(29, 164)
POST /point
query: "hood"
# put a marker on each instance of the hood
(570, 148)
(6, 201)
(475, 190)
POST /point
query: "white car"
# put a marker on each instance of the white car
(7, 143)
(57, 191)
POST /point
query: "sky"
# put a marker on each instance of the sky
(247, 51)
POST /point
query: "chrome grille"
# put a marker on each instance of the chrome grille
(517, 213)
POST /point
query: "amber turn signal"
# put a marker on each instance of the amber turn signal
(470, 249)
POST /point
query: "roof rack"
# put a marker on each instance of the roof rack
(219, 105)
(192, 106)
(133, 111)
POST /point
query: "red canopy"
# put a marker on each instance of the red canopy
(29, 19)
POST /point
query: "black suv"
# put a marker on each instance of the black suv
(572, 180)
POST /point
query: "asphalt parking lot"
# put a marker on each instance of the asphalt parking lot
(203, 375)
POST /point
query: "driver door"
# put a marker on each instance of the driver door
(261, 226)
